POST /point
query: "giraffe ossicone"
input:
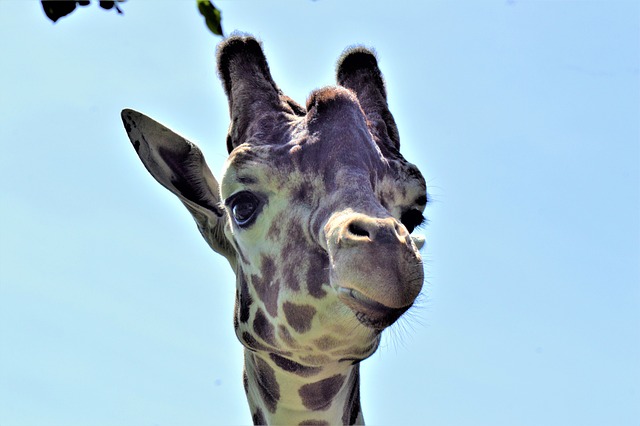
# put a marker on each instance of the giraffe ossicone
(314, 213)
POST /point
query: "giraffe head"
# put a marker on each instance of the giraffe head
(314, 209)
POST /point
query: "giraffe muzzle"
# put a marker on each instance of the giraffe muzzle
(376, 268)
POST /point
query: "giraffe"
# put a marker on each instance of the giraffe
(314, 213)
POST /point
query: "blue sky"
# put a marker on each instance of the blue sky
(522, 115)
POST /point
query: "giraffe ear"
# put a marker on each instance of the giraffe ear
(358, 70)
(179, 166)
(250, 89)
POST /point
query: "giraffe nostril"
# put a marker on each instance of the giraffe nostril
(357, 230)
(360, 229)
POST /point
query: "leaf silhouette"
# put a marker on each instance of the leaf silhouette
(212, 16)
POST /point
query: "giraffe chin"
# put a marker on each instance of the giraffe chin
(370, 313)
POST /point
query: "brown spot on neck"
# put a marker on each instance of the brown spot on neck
(268, 386)
(299, 317)
(326, 343)
(293, 367)
(263, 328)
(319, 395)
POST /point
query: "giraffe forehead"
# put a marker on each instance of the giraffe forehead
(302, 169)
(334, 136)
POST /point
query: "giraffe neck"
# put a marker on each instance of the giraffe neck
(280, 391)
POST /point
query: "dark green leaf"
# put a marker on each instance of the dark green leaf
(211, 15)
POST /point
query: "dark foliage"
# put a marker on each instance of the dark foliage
(212, 16)
(55, 10)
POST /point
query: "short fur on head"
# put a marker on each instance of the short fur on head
(314, 213)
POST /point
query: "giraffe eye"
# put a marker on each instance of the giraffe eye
(244, 207)
(411, 219)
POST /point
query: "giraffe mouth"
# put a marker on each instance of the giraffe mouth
(369, 312)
